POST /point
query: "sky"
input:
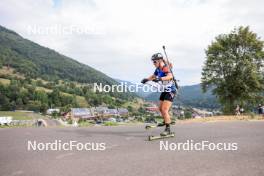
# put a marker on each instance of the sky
(118, 37)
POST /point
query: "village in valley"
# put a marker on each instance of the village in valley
(101, 115)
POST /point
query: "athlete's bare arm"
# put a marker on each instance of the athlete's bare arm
(151, 77)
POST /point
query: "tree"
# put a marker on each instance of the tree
(234, 69)
(4, 103)
(93, 99)
(19, 103)
(43, 108)
(41, 96)
(130, 108)
(34, 106)
(55, 114)
(188, 114)
(55, 97)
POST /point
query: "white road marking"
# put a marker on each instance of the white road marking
(129, 138)
(17, 173)
(64, 155)
(111, 146)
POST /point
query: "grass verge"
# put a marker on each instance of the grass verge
(110, 123)
(224, 118)
(17, 115)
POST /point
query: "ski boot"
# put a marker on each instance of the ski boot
(161, 124)
(167, 131)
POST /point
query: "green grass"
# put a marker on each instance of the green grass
(43, 89)
(10, 71)
(4, 81)
(110, 123)
(137, 104)
(85, 124)
(21, 115)
(80, 100)
(14, 126)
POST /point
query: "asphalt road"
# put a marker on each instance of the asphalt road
(128, 153)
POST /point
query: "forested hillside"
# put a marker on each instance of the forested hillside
(34, 60)
(36, 78)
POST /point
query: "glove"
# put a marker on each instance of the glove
(156, 79)
(144, 80)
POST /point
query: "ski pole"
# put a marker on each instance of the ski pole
(167, 60)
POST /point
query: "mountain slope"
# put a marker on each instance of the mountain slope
(34, 60)
(191, 96)
(33, 77)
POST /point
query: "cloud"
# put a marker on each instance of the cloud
(118, 37)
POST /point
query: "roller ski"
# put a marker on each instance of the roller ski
(147, 127)
(166, 134)
(151, 138)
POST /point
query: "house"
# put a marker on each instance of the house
(100, 110)
(122, 111)
(112, 112)
(92, 113)
(81, 113)
(104, 111)
(152, 109)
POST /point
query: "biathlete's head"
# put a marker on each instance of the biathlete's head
(157, 60)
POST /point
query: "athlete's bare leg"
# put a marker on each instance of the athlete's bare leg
(164, 109)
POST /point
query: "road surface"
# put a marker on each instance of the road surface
(128, 153)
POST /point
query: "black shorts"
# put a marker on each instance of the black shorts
(169, 96)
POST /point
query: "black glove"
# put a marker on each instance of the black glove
(156, 79)
(144, 80)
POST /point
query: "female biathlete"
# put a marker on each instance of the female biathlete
(163, 74)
